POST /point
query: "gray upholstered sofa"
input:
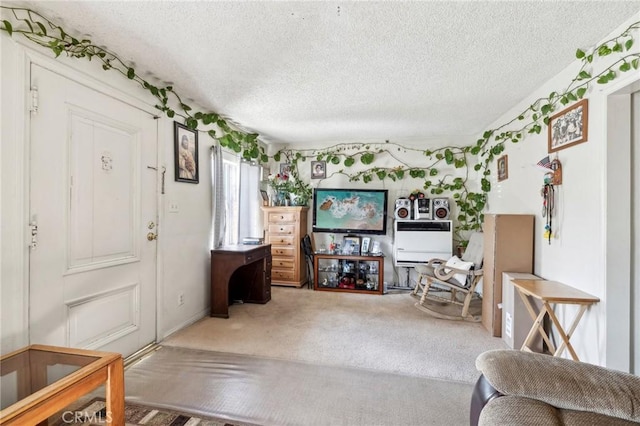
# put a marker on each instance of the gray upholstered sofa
(523, 388)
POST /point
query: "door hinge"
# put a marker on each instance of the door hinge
(34, 100)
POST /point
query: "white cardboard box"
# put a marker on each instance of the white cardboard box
(516, 321)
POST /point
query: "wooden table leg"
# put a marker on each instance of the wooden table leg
(567, 336)
(115, 393)
(532, 333)
(537, 324)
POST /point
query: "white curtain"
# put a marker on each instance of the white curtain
(218, 225)
(249, 209)
(236, 198)
(231, 189)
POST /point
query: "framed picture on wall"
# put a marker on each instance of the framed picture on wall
(569, 127)
(503, 168)
(185, 145)
(318, 169)
(285, 169)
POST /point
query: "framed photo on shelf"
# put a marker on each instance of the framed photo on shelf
(569, 126)
(351, 245)
(265, 197)
(364, 248)
(185, 145)
(503, 168)
(375, 247)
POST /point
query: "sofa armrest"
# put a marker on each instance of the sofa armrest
(562, 383)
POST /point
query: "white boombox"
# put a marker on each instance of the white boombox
(403, 209)
(422, 209)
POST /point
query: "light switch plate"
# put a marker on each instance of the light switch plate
(173, 207)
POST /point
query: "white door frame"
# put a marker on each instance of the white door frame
(27, 56)
(616, 250)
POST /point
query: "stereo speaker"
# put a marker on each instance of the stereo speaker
(403, 209)
(441, 208)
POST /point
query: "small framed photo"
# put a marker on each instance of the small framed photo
(351, 245)
(265, 197)
(185, 144)
(285, 169)
(503, 168)
(375, 247)
(364, 248)
(569, 126)
(318, 169)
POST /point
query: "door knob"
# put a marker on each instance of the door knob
(151, 236)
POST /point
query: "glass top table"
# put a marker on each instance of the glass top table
(38, 381)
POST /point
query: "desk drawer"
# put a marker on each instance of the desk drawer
(281, 240)
(258, 254)
(277, 229)
(283, 263)
(282, 217)
(278, 275)
(282, 251)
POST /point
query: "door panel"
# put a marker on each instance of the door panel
(104, 167)
(92, 273)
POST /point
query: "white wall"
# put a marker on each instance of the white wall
(577, 253)
(183, 237)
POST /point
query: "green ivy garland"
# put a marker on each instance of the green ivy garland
(42, 31)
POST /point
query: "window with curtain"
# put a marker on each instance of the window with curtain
(242, 199)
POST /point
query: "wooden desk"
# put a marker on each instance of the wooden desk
(549, 292)
(240, 272)
(37, 396)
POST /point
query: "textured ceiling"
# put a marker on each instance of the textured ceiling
(316, 72)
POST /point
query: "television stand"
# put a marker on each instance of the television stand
(348, 273)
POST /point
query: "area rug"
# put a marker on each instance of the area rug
(93, 413)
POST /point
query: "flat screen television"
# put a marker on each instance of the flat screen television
(350, 211)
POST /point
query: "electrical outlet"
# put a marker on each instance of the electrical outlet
(180, 299)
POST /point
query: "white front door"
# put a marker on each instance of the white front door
(92, 280)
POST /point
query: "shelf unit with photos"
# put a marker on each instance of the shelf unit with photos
(348, 273)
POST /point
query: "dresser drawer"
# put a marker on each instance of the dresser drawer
(277, 275)
(277, 229)
(283, 263)
(282, 217)
(283, 251)
(281, 240)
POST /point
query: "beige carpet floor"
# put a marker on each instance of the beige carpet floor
(374, 332)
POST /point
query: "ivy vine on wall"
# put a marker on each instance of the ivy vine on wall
(433, 171)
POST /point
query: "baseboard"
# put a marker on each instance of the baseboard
(186, 323)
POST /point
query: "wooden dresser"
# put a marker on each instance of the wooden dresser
(284, 229)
